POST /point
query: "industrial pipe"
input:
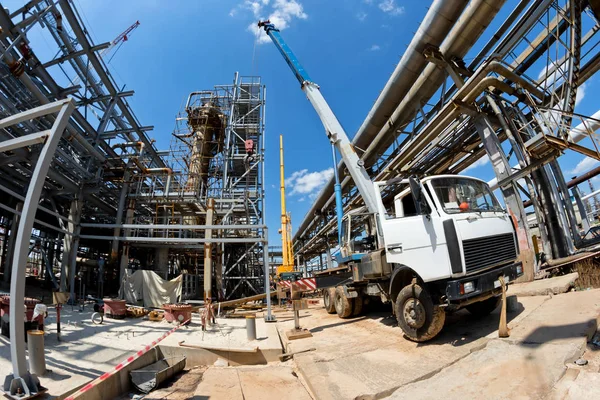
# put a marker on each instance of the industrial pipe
(434, 28)
(456, 42)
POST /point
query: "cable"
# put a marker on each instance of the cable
(254, 50)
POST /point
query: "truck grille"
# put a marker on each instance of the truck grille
(488, 251)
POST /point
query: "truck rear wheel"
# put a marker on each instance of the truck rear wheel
(328, 300)
(343, 305)
(358, 305)
(485, 307)
(418, 317)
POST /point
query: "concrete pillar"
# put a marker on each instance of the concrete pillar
(513, 200)
(219, 272)
(567, 209)
(585, 222)
(126, 232)
(11, 244)
(210, 209)
(72, 263)
(161, 261)
(68, 241)
(557, 240)
(114, 250)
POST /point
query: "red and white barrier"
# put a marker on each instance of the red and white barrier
(302, 284)
(121, 365)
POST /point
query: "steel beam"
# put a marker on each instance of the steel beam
(74, 54)
(21, 377)
(139, 239)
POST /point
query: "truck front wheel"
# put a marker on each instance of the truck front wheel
(329, 300)
(418, 317)
(343, 305)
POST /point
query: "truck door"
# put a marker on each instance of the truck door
(413, 239)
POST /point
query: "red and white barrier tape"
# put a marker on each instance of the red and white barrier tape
(122, 365)
(302, 284)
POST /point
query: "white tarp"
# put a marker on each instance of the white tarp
(149, 287)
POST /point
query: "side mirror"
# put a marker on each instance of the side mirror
(415, 189)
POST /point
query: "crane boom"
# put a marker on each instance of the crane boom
(287, 250)
(334, 129)
(123, 37)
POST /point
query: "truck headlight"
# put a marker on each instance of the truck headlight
(467, 287)
(519, 269)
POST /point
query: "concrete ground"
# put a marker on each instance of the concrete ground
(86, 351)
(361, 358)
(251, 383)
(368, 357)
(555, 285)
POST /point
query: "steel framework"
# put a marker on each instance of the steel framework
(100, 189)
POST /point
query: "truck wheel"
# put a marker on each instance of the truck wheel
(358, 306)
(328, 300)
(418, 317)
(343, 304)
(485, 307)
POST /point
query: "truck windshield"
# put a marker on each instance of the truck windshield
(460, 195)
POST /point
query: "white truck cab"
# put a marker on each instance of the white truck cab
(439, 244)
(459, 222)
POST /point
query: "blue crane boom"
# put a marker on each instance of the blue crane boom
(335, 132)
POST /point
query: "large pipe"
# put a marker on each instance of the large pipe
(456, 42)
(433, 30)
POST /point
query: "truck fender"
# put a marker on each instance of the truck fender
(401, 276)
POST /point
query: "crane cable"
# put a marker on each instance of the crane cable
(255, 50)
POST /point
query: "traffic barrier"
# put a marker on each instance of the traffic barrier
(122, 365)
(301, 284)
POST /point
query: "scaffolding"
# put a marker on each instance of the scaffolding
(216, 153)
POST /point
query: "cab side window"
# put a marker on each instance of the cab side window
(405, 207)
(408, 205)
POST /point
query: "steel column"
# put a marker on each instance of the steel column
(494, 150)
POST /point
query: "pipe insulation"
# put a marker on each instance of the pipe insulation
(456, 42)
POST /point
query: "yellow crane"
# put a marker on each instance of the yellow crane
(286, 223)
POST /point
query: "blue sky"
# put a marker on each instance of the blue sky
(349, 47)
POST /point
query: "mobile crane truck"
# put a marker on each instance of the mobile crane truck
(441, 245)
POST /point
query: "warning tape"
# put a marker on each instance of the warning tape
(123, 364)
(302, 284)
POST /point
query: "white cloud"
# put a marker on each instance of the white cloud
(361, 16)
(390, 7)
(301, 199)
(368, 1)
(584, 166)
(281, 14)
(479, 163)
(308, 183)
(374, 47)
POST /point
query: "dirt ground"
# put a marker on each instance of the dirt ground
(368, 358)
